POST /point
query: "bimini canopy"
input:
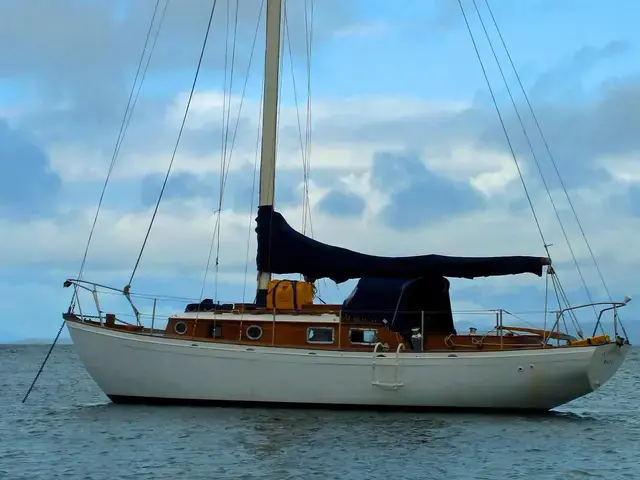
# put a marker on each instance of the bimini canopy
(282, 250)
(401, 302)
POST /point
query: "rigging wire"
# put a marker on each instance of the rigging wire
(557, 287)
(546, 300)
(131, 102)
(535, 157)
(226, 108)
(548, 149)
(46, 358)
(504, 128)
(308, 217)
(560, 292)
(253, 192)
(306, 213)
(306, 210)
(144, 73)
(246, 81)
(224, 162)
(304, 142)
(225, 173)
(124, 125)
(175, 150)
(546, 145)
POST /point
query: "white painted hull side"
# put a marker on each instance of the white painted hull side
(125, 364)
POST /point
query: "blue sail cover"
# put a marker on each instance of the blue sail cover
(282, 250)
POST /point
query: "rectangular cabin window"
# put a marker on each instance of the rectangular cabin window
(363, 336)
(320, 335)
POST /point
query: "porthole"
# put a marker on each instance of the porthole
(180, 328)
(254, 332)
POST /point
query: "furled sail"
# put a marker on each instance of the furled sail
(283, 250)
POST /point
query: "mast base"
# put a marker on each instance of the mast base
(261, 298)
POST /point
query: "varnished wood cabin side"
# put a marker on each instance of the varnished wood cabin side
(260, 330)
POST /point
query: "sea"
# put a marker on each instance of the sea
(68, 429)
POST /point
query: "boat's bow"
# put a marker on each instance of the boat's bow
(606, 361)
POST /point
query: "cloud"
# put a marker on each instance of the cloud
(566, 80)
(240, 189)
(180, 185)
(634, 200)
(579, 135)
(27, 186)
(74, 78)
(391, 174)
(338, 202)
(363, 29)
(437, 190)
(41, 43)
(416, 195)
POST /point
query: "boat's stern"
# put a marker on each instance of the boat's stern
(605, 362)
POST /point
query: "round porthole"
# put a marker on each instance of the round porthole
(180, 328)
(254, 332)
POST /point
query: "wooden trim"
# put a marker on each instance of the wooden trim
(293, 335)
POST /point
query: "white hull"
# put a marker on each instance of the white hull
(126, 365)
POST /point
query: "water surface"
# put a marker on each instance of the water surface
(69, 429)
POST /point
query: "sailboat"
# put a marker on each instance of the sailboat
(392, 343)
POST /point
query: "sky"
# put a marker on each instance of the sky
(407, 154)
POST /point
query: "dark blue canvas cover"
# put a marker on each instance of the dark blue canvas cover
(401, 302)
(282, 250)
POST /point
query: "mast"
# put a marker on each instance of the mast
(269, 122)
